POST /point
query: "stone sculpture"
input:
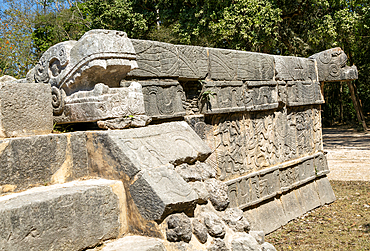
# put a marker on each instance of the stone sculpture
(248, 157)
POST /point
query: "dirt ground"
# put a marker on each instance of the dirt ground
(348, 154)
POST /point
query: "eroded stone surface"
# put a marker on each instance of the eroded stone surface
(235, 220)
(200, 231)
(218, 194)
(160, 191)
(178, 228)
(332, 66)
(25, 109)
(102, 103)
(214, 224)
(135, 243)
(71, 216)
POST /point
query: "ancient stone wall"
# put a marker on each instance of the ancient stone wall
(235, 144)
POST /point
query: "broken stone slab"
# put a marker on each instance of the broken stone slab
(99, 56)
(43, 159)
(155, 59)
(102, 103)
(294, 68)
(163, 98)
(332, 66)
(25, 109)
(135, 243)
(193, 62)
(158, 192)
(149, 147)
(71, 216)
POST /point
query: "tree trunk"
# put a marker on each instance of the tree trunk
(357, 105)
(341, 103)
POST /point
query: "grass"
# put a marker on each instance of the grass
(342, 225)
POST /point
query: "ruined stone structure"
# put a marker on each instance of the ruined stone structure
(234, 150)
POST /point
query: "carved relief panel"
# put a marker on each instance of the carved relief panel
(163, 99)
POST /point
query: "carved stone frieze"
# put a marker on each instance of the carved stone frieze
(247, 142)
(260, 95)
(301, 93)
(163, 99)
(155, 59)
(259, 186)
(193, 62)
(255, 66)
(295, 68)
(222, 97)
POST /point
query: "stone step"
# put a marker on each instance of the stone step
(70, 216)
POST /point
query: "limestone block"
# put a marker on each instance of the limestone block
(223, 64)
(325, 190)
(99, 56)
(295, 68)
(25, 109)
(135, 243)
(293, 205)
(44, 159)
(310, 197)
(160, 191)
(151, 146)
(102, 103)
(217, 244)
(254, 66)
(268, 247)
(332, 66)
(271, 216)
(222, 97)
(7, 78)
(155, 59)
(70, 216)
(125, 122)
(193, 62)
(163, 99)
(260, 95)
(304, 93)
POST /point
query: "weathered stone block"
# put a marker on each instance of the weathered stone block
(39, 160)
(193, 62)
(102, 103)
(25, 109)
(155, 59)
(254, 66)
(71, 216)
(160, 191)
(310, 197)
(331, 66)
(135, 243)
(222, 97)
(325, 190)
(163, 99)
(293, 205)
(223, 64)
(303, 93)
(295, 68)
(156, 145)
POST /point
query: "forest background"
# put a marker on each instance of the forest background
(282, 27)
